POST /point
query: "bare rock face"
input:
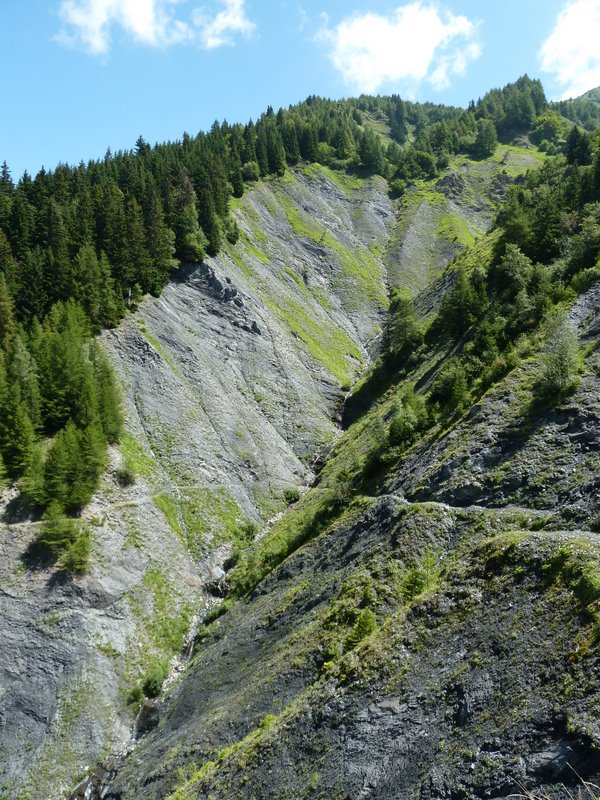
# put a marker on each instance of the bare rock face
(232, 380)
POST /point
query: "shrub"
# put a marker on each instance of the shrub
(291, 494)
(125, 476)
(450, 387)
(421, 577)
(154, 679)
(363, 627)
(562, 363)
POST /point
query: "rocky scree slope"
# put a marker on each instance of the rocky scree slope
(232, 380)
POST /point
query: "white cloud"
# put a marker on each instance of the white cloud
(571, 52)
(418, 41)
(219, 30)
(88, 23)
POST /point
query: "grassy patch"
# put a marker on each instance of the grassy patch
(163, 620)
(238, 259)
(135, 457)
(455, 228)
(256, 252)
(153, 341)
(326, 343)
(343, 180)
(202, 517)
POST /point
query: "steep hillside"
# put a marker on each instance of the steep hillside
(233, 378)
(381, 606)
(441, 217)
(437, 638)
(424, 622)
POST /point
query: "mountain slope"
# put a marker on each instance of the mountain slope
(388, 617)
(229, 397)
(441, 648)
(424, 622)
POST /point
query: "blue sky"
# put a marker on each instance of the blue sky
(79, 76)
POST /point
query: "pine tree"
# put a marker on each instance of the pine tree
(22, 373)
(562, 363)
(237, 178)
(110, 413)
(87, 282)
(112, 306)
(92, 447)
(7, 316)
(31, 295)
(17, 435)
(57, 529)
(371, 153)
(7, 263)
(64, 469)
(190, 241)
(290, 142)
(62, 275)
(275, 151)
(486, 140)
(160, 243)
(262, 150)
(21, 225)
(3, 473)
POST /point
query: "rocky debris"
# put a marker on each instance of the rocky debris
(504, 452)
(485, 687)
(454, 698)
(500, 184)
(452, 185)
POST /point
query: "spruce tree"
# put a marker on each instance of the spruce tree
(7, 316)
(22, 372)
(17, 435)
(87, 282)
(110, 412)
(3, 473)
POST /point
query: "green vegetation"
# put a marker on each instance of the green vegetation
(562, 365)
(66, 539)
(203, 517)
(59, 410)
(164, 623)
(136, 460)
(327, 344)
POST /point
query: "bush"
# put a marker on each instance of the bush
(154, 679)
(562, 363)
(450, 387)
(232, 232)
(421, 577)
(291, 494)
(251, 171)
(403, 427)
(410, 418)
(363, 627)
(135, 695)
(125, 476)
